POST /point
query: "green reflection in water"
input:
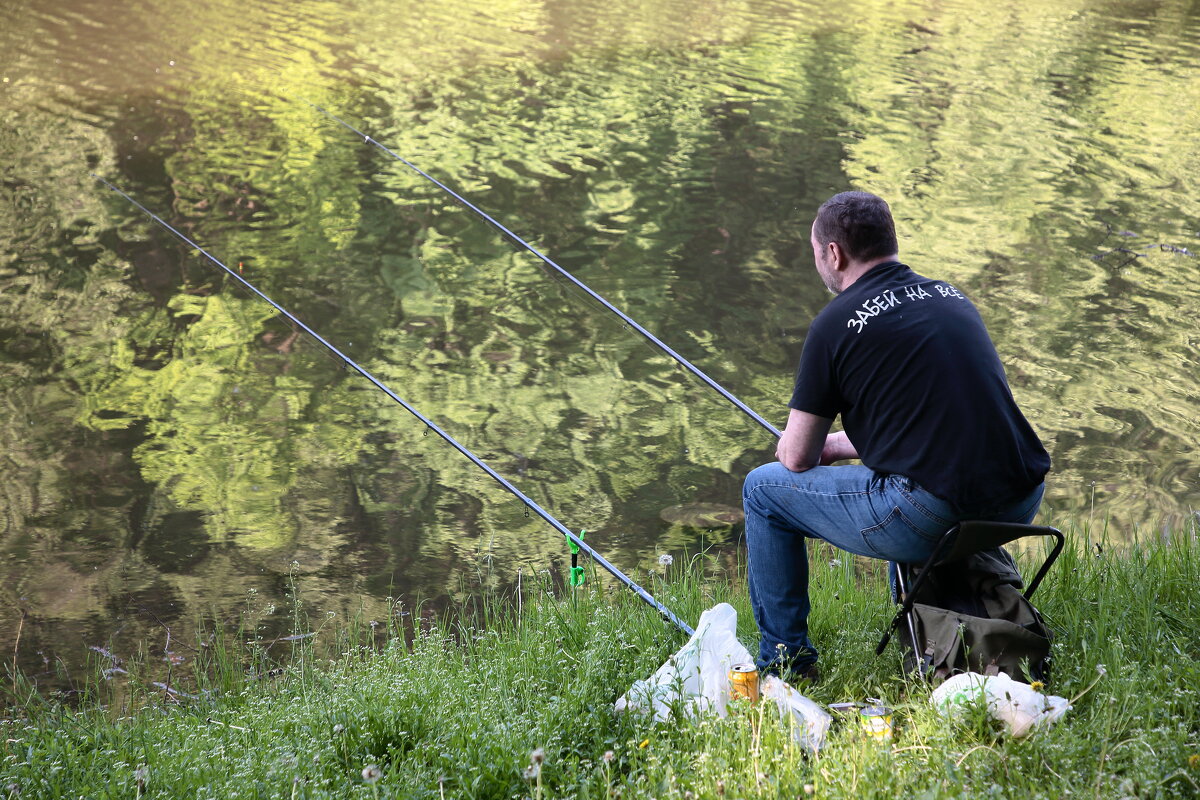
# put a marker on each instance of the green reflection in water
(170, 444)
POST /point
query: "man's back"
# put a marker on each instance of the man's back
(907, 362)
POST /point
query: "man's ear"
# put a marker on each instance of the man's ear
(837, 256)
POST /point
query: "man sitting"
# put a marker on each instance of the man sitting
(907, 362)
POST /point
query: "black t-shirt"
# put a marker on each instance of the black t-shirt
(907, 362)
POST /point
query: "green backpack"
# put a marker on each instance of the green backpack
(970, 616)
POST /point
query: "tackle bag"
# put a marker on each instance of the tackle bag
(970, 616)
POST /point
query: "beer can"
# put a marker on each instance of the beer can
(877, 722)
(743, 682)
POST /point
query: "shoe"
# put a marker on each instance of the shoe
(811, 676)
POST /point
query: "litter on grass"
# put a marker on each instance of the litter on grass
(1018, 706)
(695, 680)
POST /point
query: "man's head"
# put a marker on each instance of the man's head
(853, 232)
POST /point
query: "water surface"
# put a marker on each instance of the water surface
(172, 448)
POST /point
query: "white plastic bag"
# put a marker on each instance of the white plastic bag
(1018, 706)
(698, 673)
(811, 722)
(697, 677)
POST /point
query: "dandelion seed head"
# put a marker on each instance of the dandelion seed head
(666, 560)
(537, 756)
(372, 773)
(141, 774)
(339, 728)
(532, 772)
(809, 788)
(608, 756)
(1101, 670)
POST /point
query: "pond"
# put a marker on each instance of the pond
(174, 449)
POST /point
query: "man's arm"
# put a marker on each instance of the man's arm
(803, 442)
(837, 447)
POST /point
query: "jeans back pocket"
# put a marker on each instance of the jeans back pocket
(897, 539)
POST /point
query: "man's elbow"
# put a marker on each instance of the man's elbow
(799, 465)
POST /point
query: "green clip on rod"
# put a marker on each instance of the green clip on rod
(578, 577)
(576, 541)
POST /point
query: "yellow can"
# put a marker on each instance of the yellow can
(877, 722)
(743, 682)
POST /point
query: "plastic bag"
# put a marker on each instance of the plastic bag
(810, 720)
(698, 673)
(696, 679)
(1018, 706)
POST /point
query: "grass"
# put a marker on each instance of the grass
(457, 707)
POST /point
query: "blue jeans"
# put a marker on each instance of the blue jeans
(851, 507)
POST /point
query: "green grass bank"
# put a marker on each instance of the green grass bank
(455, 708)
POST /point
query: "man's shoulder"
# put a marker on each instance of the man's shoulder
(876, 304)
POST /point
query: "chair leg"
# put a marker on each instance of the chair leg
(907, 601)
(912, 628)
(1060, 540)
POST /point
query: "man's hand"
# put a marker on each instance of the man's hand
(837, 448)
(803, 441)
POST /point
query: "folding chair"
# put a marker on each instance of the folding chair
(962, 541)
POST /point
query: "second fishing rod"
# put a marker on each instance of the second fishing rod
(517, 240)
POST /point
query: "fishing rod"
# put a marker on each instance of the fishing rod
(429, 424)
(517, 240)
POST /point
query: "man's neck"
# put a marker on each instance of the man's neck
(856, 269)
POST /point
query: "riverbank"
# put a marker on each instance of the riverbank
(457, 708)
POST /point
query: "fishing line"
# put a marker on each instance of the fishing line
(517, 240)
(430, 425)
